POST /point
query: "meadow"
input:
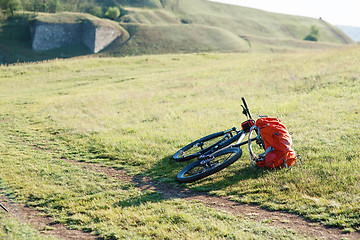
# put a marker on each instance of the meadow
(133, 113)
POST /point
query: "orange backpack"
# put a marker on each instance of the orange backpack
(275, 135)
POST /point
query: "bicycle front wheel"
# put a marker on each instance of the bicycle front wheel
(200, 146)
(209, 164)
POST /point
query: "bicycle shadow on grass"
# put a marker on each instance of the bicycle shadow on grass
(159, 183)
(231, 176)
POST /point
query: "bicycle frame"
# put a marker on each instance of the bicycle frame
(239, 137)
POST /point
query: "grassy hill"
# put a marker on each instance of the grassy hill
(228, 29)
(171, 26)
(133, 113)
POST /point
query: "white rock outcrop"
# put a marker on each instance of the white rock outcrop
(48, 35)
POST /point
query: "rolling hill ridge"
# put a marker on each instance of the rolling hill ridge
(199, 25)
(185, 26)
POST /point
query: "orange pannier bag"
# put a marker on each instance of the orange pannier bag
(275, 136)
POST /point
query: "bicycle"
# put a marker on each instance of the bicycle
(219, 150)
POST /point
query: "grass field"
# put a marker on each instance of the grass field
(13, 230)
(133, 113)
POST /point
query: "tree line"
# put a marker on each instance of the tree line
(94, 7)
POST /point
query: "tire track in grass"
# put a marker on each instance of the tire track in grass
(41, 222)
(273, 218)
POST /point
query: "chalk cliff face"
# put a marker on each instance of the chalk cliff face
(48, 35)
(96, 39)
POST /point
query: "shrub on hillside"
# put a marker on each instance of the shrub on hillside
(10, 6)
(96, 11)
(52, 6)
(49, 6)
(310, 38)
(313, 35)
(92, 9)
(112, 13)
(2, 16)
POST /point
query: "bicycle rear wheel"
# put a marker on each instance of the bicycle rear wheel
(209, 164)
(200, 146)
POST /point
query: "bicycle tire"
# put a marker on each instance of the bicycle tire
(196, 148)
(197, 170)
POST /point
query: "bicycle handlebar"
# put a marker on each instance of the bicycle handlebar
(246, 109)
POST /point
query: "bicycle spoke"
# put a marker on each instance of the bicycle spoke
(209, 164)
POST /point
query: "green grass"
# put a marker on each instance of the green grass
(91, 201)
(11, 229)
(65, 17)
(71, 17)
(176, 39)
(133, 113)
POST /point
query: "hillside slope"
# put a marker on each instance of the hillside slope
(183, 26)
(199, 25)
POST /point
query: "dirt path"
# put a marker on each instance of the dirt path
(275, 218)
(41, 222)
(46, 224)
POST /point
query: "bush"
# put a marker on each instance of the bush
(96, 11)
(2, 16)
(310, 38)
(92, 9)
(9, 6)
(313, 35)
(52, 6)
(112, 13)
